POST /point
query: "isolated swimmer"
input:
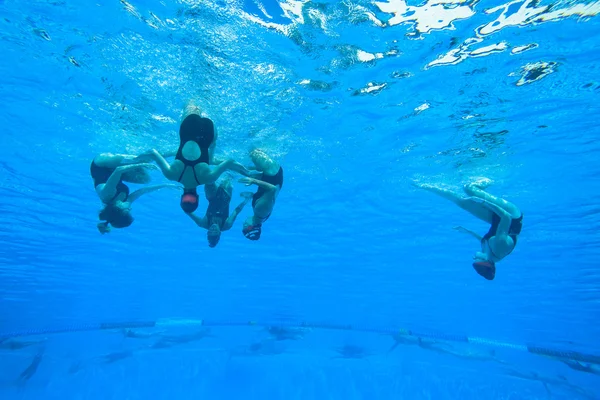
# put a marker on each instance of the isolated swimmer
(197, 141)
(269, 184)
(505, 218)
(217, 218)
(109, 171)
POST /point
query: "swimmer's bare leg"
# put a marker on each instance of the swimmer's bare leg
(227, 186)
(109, 160)
(473, 208)
(210, 190)
(475, 190)
(211, 148)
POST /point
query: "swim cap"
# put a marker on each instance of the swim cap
(252, 232)
(189, 201)
(487, 269)
(213, 238)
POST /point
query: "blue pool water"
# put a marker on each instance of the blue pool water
(357, 100)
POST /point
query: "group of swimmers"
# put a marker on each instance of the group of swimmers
(194, 165)
(192, 168)
(505, 218)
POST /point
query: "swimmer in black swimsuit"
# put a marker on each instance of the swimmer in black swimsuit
(109, 171)
(217, 218)
(505, 218)
(197, 141)
(263, 201)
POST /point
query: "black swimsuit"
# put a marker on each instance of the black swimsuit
(218, 207)
(276, 180)
(100, 175)
(196, 129)
(515, 229)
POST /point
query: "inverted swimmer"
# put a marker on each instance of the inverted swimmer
(269, 184)
(217, 218)
(197, 141)
(109, 171)
(505, 218)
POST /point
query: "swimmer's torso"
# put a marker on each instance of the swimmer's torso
(189, 176)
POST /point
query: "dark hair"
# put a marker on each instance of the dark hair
(116, 216)
(213, 240)
(189, 201)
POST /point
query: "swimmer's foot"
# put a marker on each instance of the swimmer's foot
(420, 185)
(482, 183)
(192, 108)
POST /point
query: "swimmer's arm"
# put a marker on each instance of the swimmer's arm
(148, 156)
(237, 167)
(109, 189)
(259, 183)
(171, 153)
(505, 219)
(164, 166)
(221, 168)
(201, 222)
(469, 232)
(149, 189)
(229, 222)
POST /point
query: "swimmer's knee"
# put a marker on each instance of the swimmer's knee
(471, 189)
(108, 160)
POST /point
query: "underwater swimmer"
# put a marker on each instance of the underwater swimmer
(197, 141)
(269, 184)
(217, 218)
(505, 218)
(108, 172)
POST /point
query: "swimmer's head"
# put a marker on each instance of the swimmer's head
(251, 230)
(189, 200)
(485, 268)
(258, 156)
(213, 235)
(118, 214)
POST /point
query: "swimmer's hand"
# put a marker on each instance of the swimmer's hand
(240, 169)
(172, 186)
(468, 231)
(103, 227)
(247, 195)
(246, 181)
(146, 156)
(149, 153)
(235, 166)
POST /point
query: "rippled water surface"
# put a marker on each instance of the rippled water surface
(357, 100)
